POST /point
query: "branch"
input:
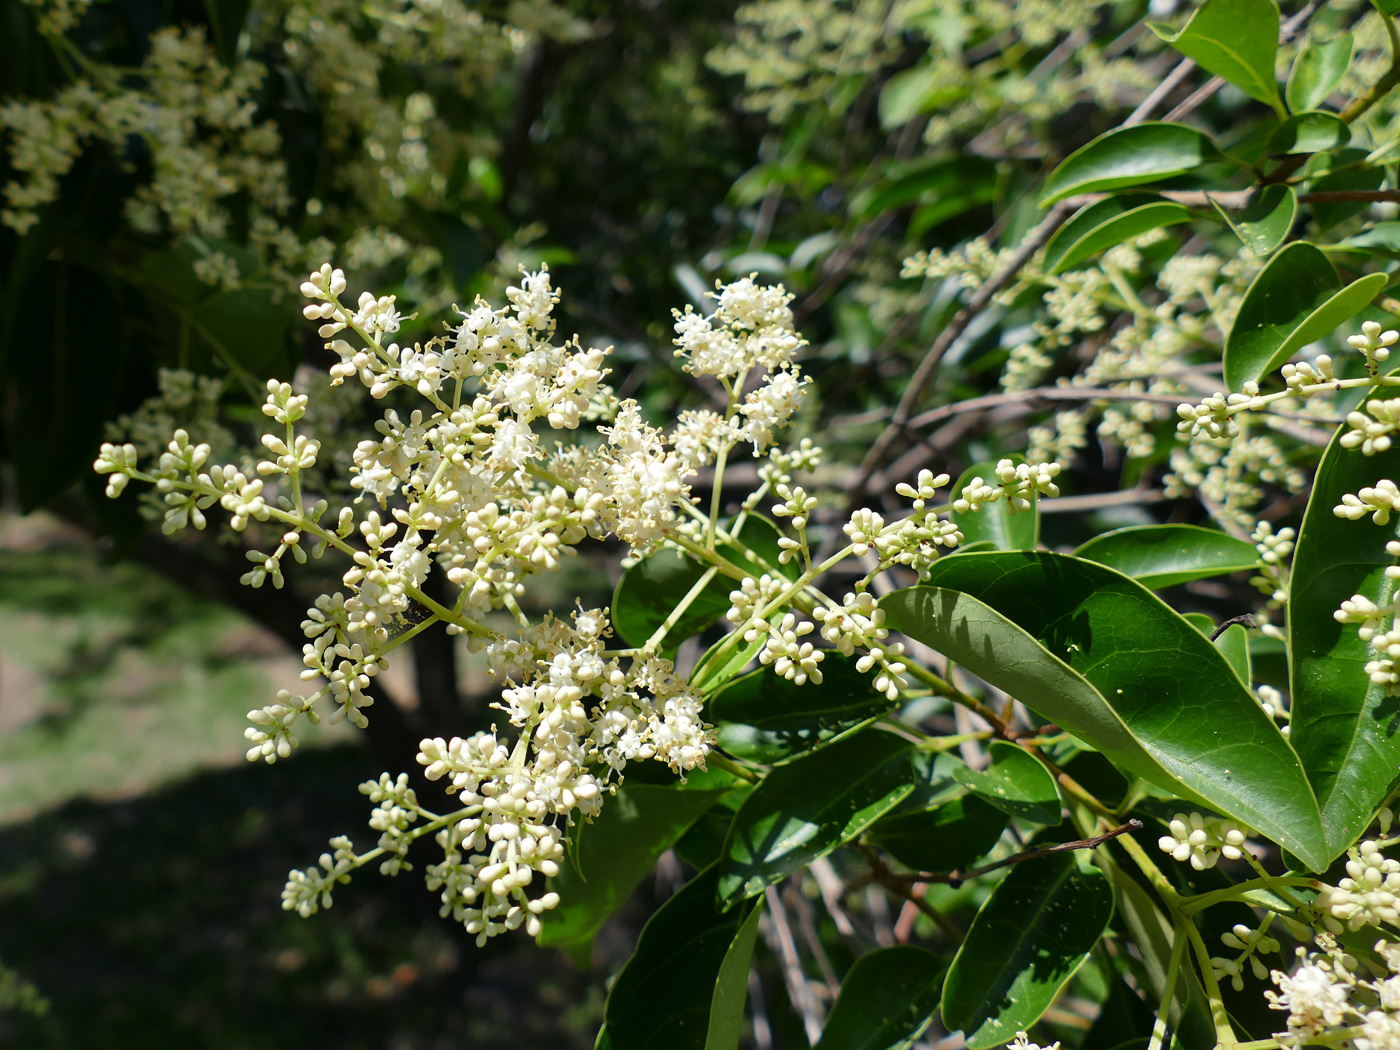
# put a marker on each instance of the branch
(1046, 393)
(799, 991)
(958, 877)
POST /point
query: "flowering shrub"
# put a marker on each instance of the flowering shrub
(854, 656)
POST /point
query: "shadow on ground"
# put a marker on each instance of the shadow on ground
(156, 922)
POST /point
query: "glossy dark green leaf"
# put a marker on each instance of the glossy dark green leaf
(1233, 643)
(1264, 225)
(764, 717)
(1015, 783)
(1340, 170)
(952, 836)
(1310, 132)
(1234, 39)
(651, 589)
(1164, 555)
(615, 852)
(666, 994)
(1294, 300)
(809, 807)
(996, 523)
(1103, 657)
(887, 998)
(1028, 939)
(703, 843)
(1346, 730)
(1317, 71)
(732, 988)
(1131, 156)
(1099, 226)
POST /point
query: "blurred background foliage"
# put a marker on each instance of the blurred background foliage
(175, 166)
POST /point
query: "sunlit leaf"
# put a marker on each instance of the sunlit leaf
(1028, 939)
(1131, 156)
(1164, 555)
(1234, 39)
(1101, 656)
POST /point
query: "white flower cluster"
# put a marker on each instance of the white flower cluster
(1380, 501)
(1203, 840)
(1249, 943)
(1214, 417)
(1370, 430)
(1023, 1042)
(1369, 895)
(1374, 344)
(1328, 1002)
(1018, 484)
(581, 717)
(1275, 551)
(461, 485)
(1376, 625)
(751, 328)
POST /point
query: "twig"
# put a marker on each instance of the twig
(1161, 91)
(1046, 393)
(957, 877)
(806, 922)
(880, 873)
(829, 885)
(1031, 244)
(1243, 618)
(1099, 500)
(803, 1001)
(1196, 99)
(762, 1030)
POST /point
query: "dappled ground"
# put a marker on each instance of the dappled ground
(141, 858)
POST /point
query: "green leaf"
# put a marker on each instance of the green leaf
(809, 807)
(732, 988)
(1384, 236)
(1263, 225)
(1344, 727)
(996, 523)
(952, 836)
(764, 717)
(1103, 657)
(1293, 301)
(887, 998)
(667, 993)
(1309, 132)
(916, 90)
(1099, 226)
(614, 853)
(1131, 156)
(1028, 939)
(1234, 39)
(1015, 783)
(1233, 643)
(651, 589)
(1160, 556)
(1317, 71)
